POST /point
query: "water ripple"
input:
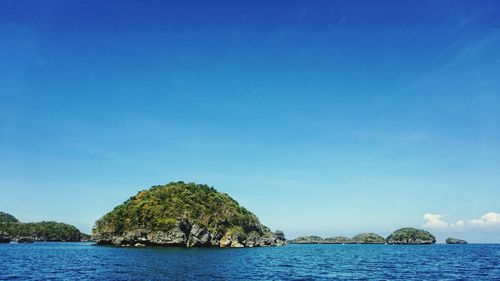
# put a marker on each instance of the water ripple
(83, 261)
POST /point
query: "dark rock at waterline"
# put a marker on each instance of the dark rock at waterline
(25, 240)
(451, 240)
(4, 238)
(410, 235)
(185, 234)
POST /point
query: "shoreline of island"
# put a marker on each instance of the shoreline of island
(182, 214)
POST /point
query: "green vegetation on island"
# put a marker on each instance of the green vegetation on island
(363, 238)
(308, 240)
(13, 230)
(4, 217)
(183, 214)
(369, 238)
(85, 237)
(406, 235)
(339, 240)
(451, 240)
(410, 235)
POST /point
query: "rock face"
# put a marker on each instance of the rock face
(455, 241)
(369, 238)
(198, 236)
(24, 240)
(409, 235)
(4, 237)
(183, 215)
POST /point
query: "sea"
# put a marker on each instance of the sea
(86, 261)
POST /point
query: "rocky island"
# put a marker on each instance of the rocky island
(410, 235)
(184, 215)
(451, 240)
(363, 238)
(369, 238)
(11, 229)
(308, 240)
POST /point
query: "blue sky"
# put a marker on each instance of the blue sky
(322, 117)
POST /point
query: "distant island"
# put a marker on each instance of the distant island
(184, 215)
(369, 238)
(11, 229)
(405, 235)
(451, 240)
(362, 238)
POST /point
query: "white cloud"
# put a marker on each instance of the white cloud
(436, 221)
(487, 220)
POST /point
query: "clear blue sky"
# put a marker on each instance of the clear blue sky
(322, 117)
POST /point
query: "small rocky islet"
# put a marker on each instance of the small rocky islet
(452, 240)
(183, 215)
(410, 235)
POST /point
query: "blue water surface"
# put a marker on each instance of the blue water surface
(84, 261)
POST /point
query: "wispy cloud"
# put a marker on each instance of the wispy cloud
(490, 220)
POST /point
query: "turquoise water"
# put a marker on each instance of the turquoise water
(84, 261)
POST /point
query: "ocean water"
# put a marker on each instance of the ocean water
(84, 261)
